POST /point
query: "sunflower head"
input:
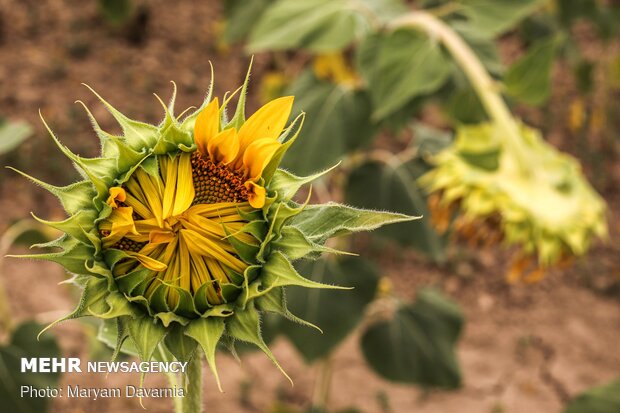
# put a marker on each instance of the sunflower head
(182, 234)
(550, 214)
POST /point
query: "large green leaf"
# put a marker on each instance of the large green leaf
(417, 345)
(337, 121)
(400, 66)
(12, 134)
(24, 344)
(493, 17)
(317, 25)
(385, 187)
(600, 399)
(337, 313)
(241, 16)
(529, 78)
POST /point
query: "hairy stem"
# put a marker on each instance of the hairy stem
(482, 83)
(192, 402)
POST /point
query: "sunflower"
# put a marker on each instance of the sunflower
(549, 214)
(183, 234)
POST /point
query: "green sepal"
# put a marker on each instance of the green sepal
(207, 332)
(275, 301)
(245, 326)
(179, 344)
(121, 335)
(285, 184)
(157, 300)
(75, 226)
(118, 306)
(168, 317)
(128, 282)
(279, 272)
(238, 118)
(137, 134)
(74, 197)
(95, 169)
(201, 302)
(247, 252)
(320, 222)
(93, 297)
(185, 307)
(146, 333)
(294, 244)
(73, 257)
(273, 164)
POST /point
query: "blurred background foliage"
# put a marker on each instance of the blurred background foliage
(380, 103)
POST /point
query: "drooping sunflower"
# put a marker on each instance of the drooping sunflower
(183, 234)
(538, 202)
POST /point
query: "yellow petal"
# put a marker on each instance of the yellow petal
(256, 194)
(160, 237)
(200, 245)
(169, 169)
(152, 189)
(122, 224)
(116, 194)
(207, 125)
(267, 122)
(185, 185)
(258, 155)
(224, 147)
(148, 262)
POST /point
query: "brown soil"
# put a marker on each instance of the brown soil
(524, 349)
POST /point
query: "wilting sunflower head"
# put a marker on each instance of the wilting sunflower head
(184, 233)
(550, 213)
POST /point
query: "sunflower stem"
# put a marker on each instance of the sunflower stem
(482, 83)
(192, 402)
(322, 385)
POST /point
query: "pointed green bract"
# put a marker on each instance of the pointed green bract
(139, 316)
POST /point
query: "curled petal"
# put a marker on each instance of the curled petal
(207, 125)
(258, 155)
(256, 194)
(224, 147)
(116, 194)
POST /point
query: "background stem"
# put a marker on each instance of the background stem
(322, 385)
(482, 83)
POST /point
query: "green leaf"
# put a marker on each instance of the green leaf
(320, 222)
(600, 399)
(493, 17)
(337, 313)
(317, 25)
(24, 343)
(241, 16)
(400, 66)
(12, 134)
(337, 122)
(396, 190)
(417, 344)
(529, 78)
